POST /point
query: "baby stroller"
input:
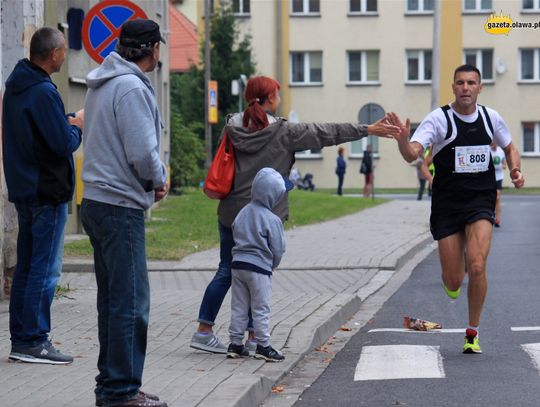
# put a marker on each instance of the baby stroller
(306, 183)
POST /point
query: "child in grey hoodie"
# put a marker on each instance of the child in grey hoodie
(259, 245)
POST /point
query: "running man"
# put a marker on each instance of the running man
(464, 189)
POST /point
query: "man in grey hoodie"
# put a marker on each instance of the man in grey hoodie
(259, 246)
(123, 176)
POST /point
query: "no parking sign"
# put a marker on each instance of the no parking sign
(101, 26)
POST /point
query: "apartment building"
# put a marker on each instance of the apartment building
(353, 60)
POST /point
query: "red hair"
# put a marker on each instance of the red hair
(258, 89)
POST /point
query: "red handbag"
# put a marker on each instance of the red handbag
(219, 180)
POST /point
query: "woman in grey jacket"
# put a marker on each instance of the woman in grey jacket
(262, 140)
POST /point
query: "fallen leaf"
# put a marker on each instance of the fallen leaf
(278, 389)
(345, 328)
(327, 360)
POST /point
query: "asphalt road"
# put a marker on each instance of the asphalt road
(429, 369)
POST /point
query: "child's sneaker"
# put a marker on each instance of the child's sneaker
(268, 354)
(472, 344)
(251, 346)
(236, 351)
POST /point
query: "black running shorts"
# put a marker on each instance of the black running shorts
(444, 225)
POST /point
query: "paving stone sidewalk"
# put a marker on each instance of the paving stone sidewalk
(329, 268)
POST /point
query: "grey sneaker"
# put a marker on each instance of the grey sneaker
(43, 353)
(207, 342)
(251, 346)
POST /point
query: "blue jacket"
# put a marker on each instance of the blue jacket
(341, 165)
(38, 141)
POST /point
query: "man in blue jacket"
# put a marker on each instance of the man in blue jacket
(38, 143)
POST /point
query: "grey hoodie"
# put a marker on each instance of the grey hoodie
(274, 146)
(257, 232)
(121, 136)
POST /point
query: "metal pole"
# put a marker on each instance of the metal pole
(207, 126)
(436, 56)
(240, 95)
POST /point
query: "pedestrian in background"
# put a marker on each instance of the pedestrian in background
(259, 246)
(123, 176)
(341, 166)
(499, 162)
(366, 168)
(38, 145)
(423, 175)
(260, 139)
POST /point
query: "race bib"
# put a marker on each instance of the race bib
(472, 159)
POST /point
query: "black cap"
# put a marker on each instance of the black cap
(140, 34)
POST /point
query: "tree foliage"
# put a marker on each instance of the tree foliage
(231, 56)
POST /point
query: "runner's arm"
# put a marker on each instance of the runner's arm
(514, 164)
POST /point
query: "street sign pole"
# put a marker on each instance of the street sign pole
(207, 125)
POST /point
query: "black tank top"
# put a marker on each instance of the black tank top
(458, 192)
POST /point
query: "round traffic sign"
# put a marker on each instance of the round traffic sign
(101, 26)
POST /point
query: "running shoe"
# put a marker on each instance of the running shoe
(472, 345)
(208, 342)
(452, 294)
(237, 351)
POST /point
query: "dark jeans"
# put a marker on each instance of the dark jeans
(340, 183)
(217, 288)
(421, 189)
(123, 297)
(40, 247)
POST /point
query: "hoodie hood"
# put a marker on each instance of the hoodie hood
(25, 75)
(113, 66)
(251, 141)
(268, 187)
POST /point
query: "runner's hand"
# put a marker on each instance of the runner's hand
(405, 128)
(517, 179)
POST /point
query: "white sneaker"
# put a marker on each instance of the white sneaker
(207, 342)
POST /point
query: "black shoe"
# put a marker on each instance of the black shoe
(268, 354)
(99, 401)
(497, 225)
(43, 353)
(237, 351)
(142, 400)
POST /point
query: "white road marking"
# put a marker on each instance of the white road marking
(533, 349)
(443, 331)
(525, 328)
(399, 362)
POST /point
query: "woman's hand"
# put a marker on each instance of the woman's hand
(384, 128)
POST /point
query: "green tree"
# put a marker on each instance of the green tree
(187, 152)
(231, 56)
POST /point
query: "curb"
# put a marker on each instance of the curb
(252, 390)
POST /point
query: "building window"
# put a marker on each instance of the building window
(359, 146)
(530, 6)
(531, 138)
(477, 6)
(305, 7)
(418, 66)
(306, 68)
(241, 7)
(530, 65)
(363, 6)
(363, 67)
(482, 59)
(419, 6)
